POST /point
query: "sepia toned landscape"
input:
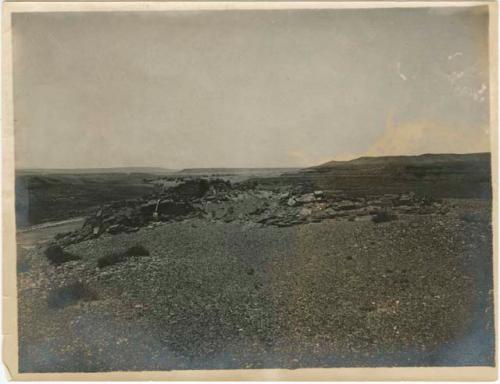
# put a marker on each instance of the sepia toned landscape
(245, 186)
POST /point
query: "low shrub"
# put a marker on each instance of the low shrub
(56, 255)
(383, 216)
(137, 250)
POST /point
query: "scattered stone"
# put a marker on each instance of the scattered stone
(318, 194)
(345, 205)
(307, 198)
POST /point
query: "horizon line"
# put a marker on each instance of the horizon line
(241, 167)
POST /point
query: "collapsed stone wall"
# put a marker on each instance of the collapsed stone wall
(219, 200)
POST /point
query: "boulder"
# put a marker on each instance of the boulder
(305, 212)
(307, 198)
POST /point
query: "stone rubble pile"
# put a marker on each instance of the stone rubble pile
(176, 203)
(293, 209)
(218, 200)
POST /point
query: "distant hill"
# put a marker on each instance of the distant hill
(234, 171)
(77, 171)
(438, 175)
(425, 159)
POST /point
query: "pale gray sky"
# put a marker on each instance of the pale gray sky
(247, 88)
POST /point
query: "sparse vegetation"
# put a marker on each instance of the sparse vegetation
(56, 255)
(383, 217)
(137, 250)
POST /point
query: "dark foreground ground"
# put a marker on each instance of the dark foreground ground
(221, 291)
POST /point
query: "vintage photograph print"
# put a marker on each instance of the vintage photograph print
(245, 189)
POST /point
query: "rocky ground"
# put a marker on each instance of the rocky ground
(213, 275)
(216, 200)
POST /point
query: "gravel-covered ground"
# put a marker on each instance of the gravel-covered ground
(410, 292)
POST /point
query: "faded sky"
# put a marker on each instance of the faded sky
(247, 88)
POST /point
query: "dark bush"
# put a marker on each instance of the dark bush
(204, 186)
(56, 255)
(191, 189)
(137, 250)
(70, 294)
(383, 216)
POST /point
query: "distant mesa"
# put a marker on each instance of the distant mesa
(234, 171)
(425, 159)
